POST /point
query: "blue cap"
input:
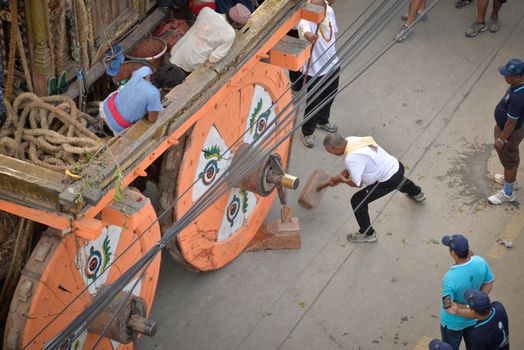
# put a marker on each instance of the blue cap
(437, 344)
(513, 67)
(456, 242)
(477, 300)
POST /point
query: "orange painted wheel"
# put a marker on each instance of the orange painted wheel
(60, 267)
(223, 231)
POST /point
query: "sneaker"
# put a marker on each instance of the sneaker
(499, 178)
(405, 16)
(421, 197)
(328, 127)
(308, 141)
(358, 237)
(403, 34)
(494, 25)
(501, 197)
(475, 29)
(461, 3)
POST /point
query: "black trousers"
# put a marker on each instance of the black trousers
(322, 116)
(360, 202)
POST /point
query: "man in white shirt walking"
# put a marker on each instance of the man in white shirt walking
(368, 165)
(324, 63)
(210, 38)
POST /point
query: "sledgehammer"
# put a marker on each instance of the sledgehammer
(314, 189)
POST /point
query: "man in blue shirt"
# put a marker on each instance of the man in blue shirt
(468, 272)
(509, 116)
(491, 331)
(138, 97)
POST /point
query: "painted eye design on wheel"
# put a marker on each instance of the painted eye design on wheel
(97, 261)
(93, 263)
(233, 209)
(210, 172)
(262, 124)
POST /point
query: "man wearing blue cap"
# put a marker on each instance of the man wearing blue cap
(509, 116)
(491, 331)
(437, 344)
(468, 272)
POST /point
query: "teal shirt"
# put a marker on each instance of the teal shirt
(470, 275)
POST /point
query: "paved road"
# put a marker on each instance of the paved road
(429, 101)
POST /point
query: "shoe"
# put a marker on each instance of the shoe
(308, 141)
(461, 3)
(328, 127)
(403, 34)
(494, 25)
(421, 197)
(405, 16)
(501, 197)
(475, 29)
(358, 237)
(499, 178)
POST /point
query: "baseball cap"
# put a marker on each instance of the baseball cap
(456, 242)
(437, 344)
(477, 300)
(513, 67)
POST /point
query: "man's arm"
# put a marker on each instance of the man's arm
(461, 310)
(509, 127)
(223, 48)
(486, 287)
(152, 116)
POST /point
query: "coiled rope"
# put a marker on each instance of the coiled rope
(47, 131)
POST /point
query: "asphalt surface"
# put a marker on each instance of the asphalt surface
(429, 101)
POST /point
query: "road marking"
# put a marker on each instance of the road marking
(423, 343)
(511, 232)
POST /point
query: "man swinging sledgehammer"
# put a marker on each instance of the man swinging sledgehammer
(368, 165)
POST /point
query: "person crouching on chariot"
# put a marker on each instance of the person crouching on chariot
(139, 97)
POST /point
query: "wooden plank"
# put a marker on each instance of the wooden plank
(23, 181)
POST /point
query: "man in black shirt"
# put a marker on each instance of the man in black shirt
(492, 330)
(509, 116)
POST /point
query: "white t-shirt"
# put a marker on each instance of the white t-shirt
(209, 39)
(328, 30)
(367, 166)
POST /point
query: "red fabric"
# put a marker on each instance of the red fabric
(114, 112)
(195, 8)
(171, 31)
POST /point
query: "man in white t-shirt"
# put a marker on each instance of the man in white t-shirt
(324, 63)
(368, 165)
(210, 38)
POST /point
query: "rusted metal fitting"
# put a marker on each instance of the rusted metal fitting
(128, 324)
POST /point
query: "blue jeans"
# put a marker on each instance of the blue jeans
(454, 338)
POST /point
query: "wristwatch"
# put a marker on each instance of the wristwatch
(502, 141)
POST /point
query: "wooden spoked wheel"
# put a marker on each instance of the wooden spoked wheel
(244, 113)
(61, 266)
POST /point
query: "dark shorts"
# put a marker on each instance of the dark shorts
(509, 156)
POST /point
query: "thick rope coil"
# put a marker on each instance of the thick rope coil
(48, 131)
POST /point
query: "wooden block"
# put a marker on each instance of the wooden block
(276, 235)
(290, 53)
(309, 197)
